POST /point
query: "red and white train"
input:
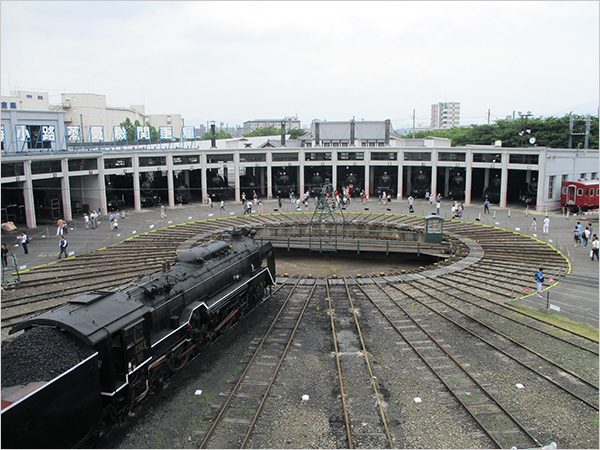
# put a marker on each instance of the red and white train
(580, 195)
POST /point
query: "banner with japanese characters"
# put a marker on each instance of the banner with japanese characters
(188, 133)
(97, 133)
(165, 133)
(120, 133)
(48, 133)
(142, 133)
(73, 133)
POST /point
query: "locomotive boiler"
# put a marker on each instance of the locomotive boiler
(317, 180)
(92, 360)
(530, 193)
(456, 188)
(384, 184)
(492, 192)
(420, 184)
(218, 187)
(282, 183)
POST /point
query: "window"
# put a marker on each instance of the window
(551, 187)
(146, 161)
(253, 157)
(417, 156)
(384, 156)
(565, 178)
(317, 156)
(598, 192)
(564, 190)
(211, 159)
(117, 163)
(285, 157)
(40, 97)
(29, 96)
(12, 169)
(591, 192)
(487, 157)
(13, 105)
(52, 166)
(522, 159)
(82, 164)
(579, 192)
(186, 159)
(4, 105)
(582, 176)
(451, 157)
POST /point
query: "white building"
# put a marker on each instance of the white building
(291, 122)
(445, 115)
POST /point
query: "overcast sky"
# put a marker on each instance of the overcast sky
(237, 61)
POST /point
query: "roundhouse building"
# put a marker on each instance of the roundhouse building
(44, 176)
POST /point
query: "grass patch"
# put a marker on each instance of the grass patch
(549, 317)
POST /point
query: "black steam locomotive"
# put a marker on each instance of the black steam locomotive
(384, 184)
(456, 189)
(148, 193)
(317, 180)
(530, 194)
(122, 345)
(420, 184)
(282, 183)
(218, 187)
(492, 192)
(182, 195)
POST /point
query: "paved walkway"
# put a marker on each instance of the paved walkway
(577, 294)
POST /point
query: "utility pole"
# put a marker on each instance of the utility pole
(523, 132)
(414, 116)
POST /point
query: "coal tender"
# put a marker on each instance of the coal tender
(79, 368)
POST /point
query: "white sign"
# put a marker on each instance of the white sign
(48, 133)
(120, 133)
(73, 133)
(143, 133)
(188, 133)
(166, 133)
(97, 133)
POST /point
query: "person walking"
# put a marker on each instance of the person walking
(94, 219)
(24, 240)
(222, 208)
(533, 225)
(210, 202)
(163, 214)
(279, 203)
(595, 248)
(546, 227)
(539, 279)
(86, 220)
(260, 207)
(62, 245)
(438, 205)
(576, 236)
(5, 256)
(59, 227)
(411, 200)
(486, 206)
(586, 237)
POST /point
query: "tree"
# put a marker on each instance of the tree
(131, 128)
(220, 134)
(295, 133)
(265, 131)
(552, 132)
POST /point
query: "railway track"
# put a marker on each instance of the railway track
(235, 421)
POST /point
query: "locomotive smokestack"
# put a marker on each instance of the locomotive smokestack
(213, 136)
(283, 134)
(352, 131)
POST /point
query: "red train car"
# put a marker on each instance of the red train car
(580, 195)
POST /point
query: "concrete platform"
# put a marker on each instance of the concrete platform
(577, 294)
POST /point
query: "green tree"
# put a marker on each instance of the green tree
(552, 132)
(131, 128)
(220, 134)
(295, 133)
(264, 131)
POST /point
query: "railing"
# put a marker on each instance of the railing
(354, 234)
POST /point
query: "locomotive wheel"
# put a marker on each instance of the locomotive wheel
(178, 359)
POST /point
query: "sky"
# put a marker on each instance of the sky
(236, 61)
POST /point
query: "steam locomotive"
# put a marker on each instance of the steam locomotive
(218, 187)
(122, 345)
(282, 183)
(384, 184)
(182, 194)
(530, 195)
(420, 184)
(148, 195)
(456, 189)
(492, 192)
(353, 183)
(317, 180)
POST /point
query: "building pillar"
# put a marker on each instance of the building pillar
(269, 175)
(400, 193)
(203, 178)
(65, 188)
(503, 180)
(301, 180)
(28, 196)
(542, 186)
(170, 181)
(368, 171)
(468, 177)
(334, 177)
(236, 177)
(137, 201)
